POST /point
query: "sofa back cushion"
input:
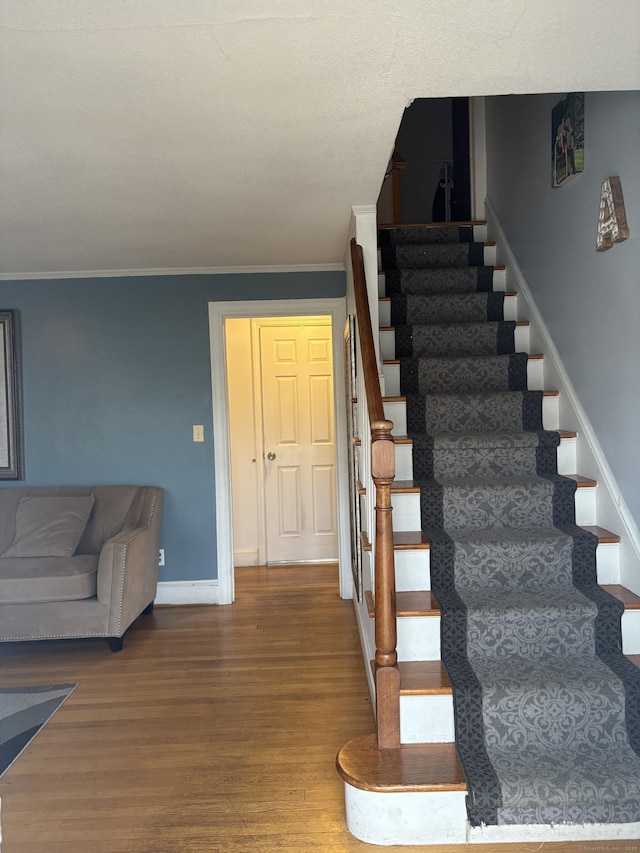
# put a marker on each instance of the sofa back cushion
(115, 508)
(49, 526)
(112, 512)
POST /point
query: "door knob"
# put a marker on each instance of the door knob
(271, 456)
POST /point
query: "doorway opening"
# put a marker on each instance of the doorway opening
(271, 322)
(429, 177)
(282, 440)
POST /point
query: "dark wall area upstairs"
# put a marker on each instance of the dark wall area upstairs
(116, 371)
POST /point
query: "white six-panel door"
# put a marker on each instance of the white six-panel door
(298, 440)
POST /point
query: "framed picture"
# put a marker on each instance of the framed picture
(567, 139)
(11, 442)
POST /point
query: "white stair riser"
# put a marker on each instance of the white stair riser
(419, 636)
(391, 374)
(406, 509)
(566, 453)
(387, 339)
(412, 567)
(439, 817)
(408, 818)
(395, 411)
(426, 719)
(510, 310)
(499, 282)
(489, 255)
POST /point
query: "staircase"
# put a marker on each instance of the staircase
(419, 794)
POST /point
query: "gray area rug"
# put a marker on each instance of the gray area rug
(547, 708)
(23, 712)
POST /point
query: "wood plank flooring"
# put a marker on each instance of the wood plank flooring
(214, 731)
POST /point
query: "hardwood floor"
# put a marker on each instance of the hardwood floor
(214, 731)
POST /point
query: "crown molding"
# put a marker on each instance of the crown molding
(236, 270)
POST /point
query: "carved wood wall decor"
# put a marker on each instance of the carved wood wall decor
(612, 219)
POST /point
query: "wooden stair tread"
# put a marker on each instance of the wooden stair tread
(630, 600)
(605, 537)
(413, 767)
(496, 268)
(421, 678)
(521, 323)
(534, 356)
(419, 602)
(405, 487)
(403, 540)
(413, 540)
(563, 433)
(582, 482)
(511, 293)
(403, 399)
(408, 487)
(423, 603)
(388, 225)
(429, 678)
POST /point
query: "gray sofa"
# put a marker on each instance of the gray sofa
(77, 561)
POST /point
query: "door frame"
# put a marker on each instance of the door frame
(335, 308)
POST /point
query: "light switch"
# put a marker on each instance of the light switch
(198, 432)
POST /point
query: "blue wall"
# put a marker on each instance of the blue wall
(115, 373)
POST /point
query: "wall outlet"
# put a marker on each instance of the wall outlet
(161, 557)
(198, 432)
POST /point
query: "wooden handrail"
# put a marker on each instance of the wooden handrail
(365, 336)
(387, 674)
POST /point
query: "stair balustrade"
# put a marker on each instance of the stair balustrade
(382, 467)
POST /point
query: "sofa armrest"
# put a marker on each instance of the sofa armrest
(128, 570)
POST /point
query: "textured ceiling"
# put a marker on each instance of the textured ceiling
(185, 134)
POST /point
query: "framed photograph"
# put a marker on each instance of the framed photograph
(11, 442)
(567, 139)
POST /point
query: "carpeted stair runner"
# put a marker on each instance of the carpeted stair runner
(547, 708)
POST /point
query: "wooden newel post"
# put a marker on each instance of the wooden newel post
(387, 674)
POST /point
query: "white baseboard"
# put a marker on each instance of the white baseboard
(187, 592)
(248, 557)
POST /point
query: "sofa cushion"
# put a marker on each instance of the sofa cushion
(109, 516)
(49, 526)
(26, 580)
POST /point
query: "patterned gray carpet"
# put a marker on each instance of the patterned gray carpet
(23, 712)
(547, 708)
